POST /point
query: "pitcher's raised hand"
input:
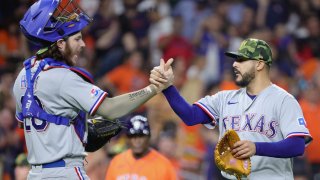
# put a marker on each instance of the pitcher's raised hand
(162, 76)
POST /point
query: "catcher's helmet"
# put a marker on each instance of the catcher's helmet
(47, 21)
(138, 125)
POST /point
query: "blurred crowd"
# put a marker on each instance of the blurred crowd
(127, 39)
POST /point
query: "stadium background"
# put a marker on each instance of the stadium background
(128, 37)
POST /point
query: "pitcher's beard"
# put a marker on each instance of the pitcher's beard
(246, 79)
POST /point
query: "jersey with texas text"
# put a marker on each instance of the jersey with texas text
(271, 116)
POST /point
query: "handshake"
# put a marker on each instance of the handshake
(161, 77)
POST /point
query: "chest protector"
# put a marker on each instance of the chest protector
(32, 109)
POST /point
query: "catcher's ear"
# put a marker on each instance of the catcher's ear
(61, 44)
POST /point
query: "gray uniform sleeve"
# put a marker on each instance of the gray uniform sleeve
(211, 106)
(81, 94)
(18, 111)
(292, 122)
(17, 97)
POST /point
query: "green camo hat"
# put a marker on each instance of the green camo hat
(253, 49)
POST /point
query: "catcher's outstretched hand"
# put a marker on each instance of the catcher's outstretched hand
(243, 149)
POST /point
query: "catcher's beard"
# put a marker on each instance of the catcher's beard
(247, 77)
(68, 54)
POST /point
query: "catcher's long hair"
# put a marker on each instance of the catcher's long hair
(52, 52)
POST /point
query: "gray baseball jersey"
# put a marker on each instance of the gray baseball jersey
(271, 116)
(60, 92)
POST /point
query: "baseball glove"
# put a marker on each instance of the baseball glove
(225, 160)
(100, 131)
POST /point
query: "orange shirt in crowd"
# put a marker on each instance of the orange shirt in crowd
(228, 85)
(8, 43)
(309, 68)
(312, 115)
(153, 166)
(3, 44)
(127, 79)
(193, 148)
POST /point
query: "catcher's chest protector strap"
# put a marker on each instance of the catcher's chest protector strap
(31, 105)
(85, 75)
(31, 108)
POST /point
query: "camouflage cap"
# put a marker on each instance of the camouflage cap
(253, 49)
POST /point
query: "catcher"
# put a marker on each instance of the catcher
(53, 96)
(268, 120)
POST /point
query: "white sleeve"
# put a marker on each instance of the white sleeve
(211, 106)
(17, 96)
(292, 122)
(81, 94)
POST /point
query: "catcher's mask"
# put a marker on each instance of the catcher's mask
(138, 126)
(47, 21)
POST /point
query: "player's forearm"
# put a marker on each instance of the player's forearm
(190, 115)
(112, 108)
(287, 148)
